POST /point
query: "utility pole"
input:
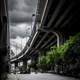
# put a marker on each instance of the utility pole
(32, 22)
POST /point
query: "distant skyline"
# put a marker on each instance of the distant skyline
(20, 20)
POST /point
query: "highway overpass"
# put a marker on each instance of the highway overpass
(55, 21)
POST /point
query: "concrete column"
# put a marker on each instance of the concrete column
(60, 38)
(3, 40)
(34, 61)
(24, 65)
(16, 66)
(4, 58)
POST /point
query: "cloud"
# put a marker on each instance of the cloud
(18, 43)
(21, 10)
(11, 4)
(20, 21)
(21, 30)
(20, 17)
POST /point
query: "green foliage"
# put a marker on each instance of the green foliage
(62, 50)
(43, 60)
(50, 57)
(70, 49)
(78, 50)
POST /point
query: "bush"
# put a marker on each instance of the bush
(66, 54)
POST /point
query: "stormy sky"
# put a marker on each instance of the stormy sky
(20, 21)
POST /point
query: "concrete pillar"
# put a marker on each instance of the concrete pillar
(34, 61)
(3, 40)
(24, 65)
(60, 38)
(4, 50)
(16, 66)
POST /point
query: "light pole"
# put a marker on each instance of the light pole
(29, 33)
(32, 22)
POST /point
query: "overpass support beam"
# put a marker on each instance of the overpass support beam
(24, 65)
(34, 61)
(59, 36)
(16, 66)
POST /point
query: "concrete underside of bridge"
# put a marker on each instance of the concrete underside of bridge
(54, 16)
(56, 21)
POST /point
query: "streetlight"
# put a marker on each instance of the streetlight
(28, 33)
(32, 22)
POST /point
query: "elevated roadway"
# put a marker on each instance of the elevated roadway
(55, 21)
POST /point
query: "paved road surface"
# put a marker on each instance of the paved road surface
(39, 76)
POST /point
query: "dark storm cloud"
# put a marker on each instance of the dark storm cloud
(20, 17)
(11, 4)
(21, 10)
(18, 31)
(31, 2)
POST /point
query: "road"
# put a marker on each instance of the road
(39, 76)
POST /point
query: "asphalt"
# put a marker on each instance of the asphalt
(39, 76)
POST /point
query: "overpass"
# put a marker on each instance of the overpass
(55, 21)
